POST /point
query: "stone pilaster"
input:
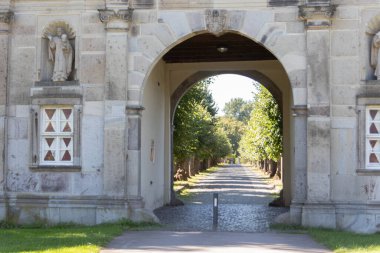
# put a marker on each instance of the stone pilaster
(134, 114)
(317, 209)
(299, 178)
(115, 121)
(5, 26)
(317, 17)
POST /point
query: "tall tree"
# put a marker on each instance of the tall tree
(263, 136)
(238, 109)
(195, 130)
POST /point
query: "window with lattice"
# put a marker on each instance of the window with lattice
(373, 137)
(56, 135)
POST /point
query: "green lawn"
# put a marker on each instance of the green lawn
(339, 241)
(64, 238)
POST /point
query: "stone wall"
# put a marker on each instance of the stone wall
(323, 73)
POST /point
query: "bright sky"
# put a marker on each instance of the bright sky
(228, 86)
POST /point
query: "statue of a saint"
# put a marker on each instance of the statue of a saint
(61, 53)
(375, 55)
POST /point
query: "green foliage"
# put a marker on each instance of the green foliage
(234, 130)
(64, 238)
(238, 109)
(263, 136)
(195, 130)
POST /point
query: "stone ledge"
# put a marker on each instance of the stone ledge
(58, 168)
(55, 84)
(368, 172)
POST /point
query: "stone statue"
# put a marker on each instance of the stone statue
(61, 53)
(375, 55)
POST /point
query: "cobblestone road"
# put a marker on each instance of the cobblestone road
(243, 203)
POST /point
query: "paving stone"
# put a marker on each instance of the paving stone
(243, 203)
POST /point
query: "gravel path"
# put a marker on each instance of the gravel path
(243, 203)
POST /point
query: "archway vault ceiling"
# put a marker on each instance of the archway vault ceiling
(203, 48)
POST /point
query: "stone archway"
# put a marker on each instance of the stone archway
(171, 80)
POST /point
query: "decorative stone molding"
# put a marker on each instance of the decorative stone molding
(6, 17)
(299, 111)
(134, 110)
(216, 21)
(316, 16)
(119, 19)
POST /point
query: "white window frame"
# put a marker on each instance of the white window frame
(36, 159)
(369, 136)
(58, 135)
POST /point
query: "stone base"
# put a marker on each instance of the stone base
(28, 209)
(359, 218)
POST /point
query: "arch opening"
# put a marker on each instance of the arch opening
(172, 77)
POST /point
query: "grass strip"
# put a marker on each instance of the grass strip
(338, 241)
(63, 238)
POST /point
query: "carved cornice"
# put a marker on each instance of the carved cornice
(6, 17)
(316, 16)
(108, 15)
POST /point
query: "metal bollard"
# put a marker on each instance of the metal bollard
(215, 212)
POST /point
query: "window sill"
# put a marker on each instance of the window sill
(368, 172)
(56, 168)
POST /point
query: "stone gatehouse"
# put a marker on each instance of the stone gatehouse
(88, 89)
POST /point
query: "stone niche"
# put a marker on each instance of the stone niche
(373, 52)
(46, 64)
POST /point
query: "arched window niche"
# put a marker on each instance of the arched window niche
(58, 62)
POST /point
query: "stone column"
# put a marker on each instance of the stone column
(299, 178)
(5, 20)
(115, 122)
(134, 151)
(317, 19)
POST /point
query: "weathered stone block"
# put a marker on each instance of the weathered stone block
(88, 183)
(177, 21)
(196, 21)
(93, 143)
(54, 182)
(339, 24)
(347, 12)
(318, 44)
(319, 216)
(18, 128)
(287, 16)
(141, 64)
(254, 21)
(90, 62)
(343, 145)
(344, 43)
(93, 44)
(18, 154)
(295, 27)
(235, 20)
(150, 46)
(344, 95)
(300, 96)
(345, 70)
(161, 31)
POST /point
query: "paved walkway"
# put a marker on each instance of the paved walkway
(243, 209)
(243, 203)
(172, 241)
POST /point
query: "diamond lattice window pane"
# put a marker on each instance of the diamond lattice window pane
(374, 128)
(66, 128)
(374, 158)
(49, 156)
(50, 113)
